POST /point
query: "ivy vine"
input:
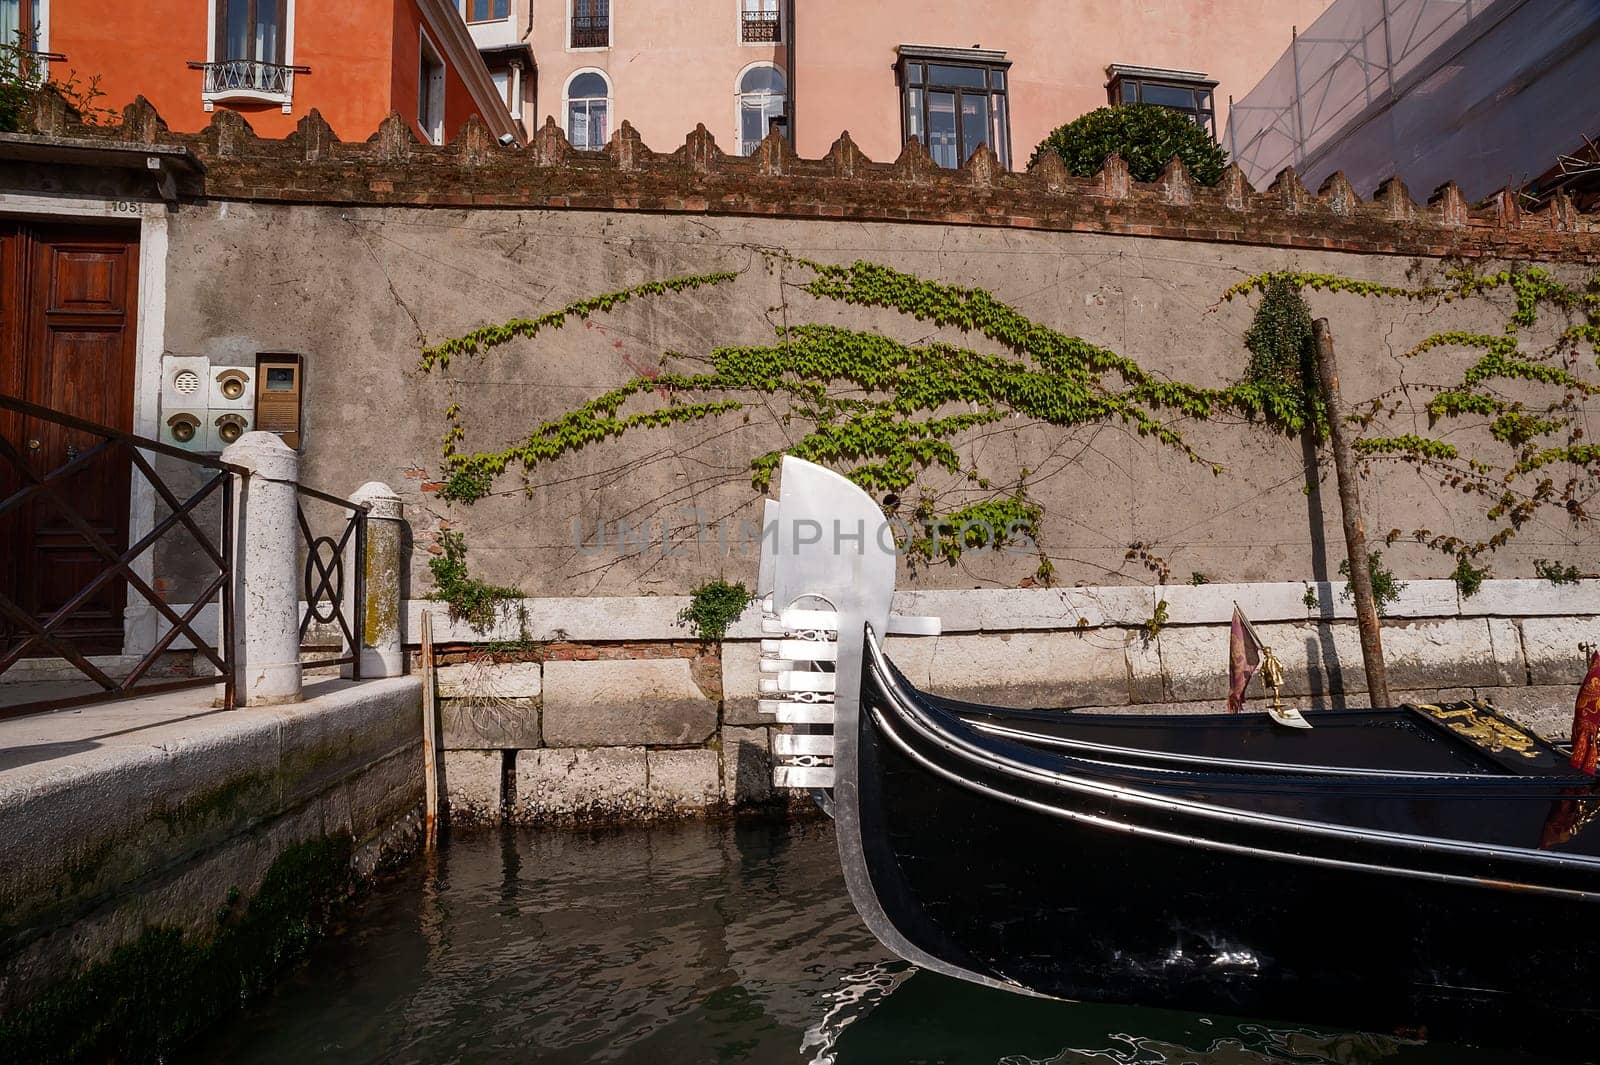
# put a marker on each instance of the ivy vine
(886, 412)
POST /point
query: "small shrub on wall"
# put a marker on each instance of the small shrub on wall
(1146, 136)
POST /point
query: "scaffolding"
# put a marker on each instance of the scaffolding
(1483, 92)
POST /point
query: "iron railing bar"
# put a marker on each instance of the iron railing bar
(359, 609)
(328, 498)
(36, 411)
(114, 695)
(227, 595)
(201, 602)
(307, 539)
(119, 565)
(22, 495)
(64, 649)
(181, 508)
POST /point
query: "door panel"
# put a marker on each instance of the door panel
(71, 318)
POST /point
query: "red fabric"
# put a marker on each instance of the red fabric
(1586, 721)
(1244, 658)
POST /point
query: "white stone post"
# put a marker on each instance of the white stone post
(381, 623)
(266, 596)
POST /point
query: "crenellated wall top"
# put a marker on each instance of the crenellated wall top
(392, 167)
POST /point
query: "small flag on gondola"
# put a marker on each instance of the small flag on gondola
(1244, 658)
(1586, 721)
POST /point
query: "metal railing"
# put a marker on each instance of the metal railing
(761, 27)
(27, 629)
(591, 31)
(249, 75)
(328, 596)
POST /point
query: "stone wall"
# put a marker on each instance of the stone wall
(159, 812)
(639, 728)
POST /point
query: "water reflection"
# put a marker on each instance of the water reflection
(694, 943)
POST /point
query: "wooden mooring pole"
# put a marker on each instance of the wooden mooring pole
(430, 736)
(1355, 529)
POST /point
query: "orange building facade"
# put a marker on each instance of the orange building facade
(273, 60)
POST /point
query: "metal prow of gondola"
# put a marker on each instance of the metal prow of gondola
(827, 570)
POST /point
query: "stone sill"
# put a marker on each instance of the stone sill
(626, 618)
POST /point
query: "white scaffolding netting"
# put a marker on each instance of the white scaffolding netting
(1481, 92)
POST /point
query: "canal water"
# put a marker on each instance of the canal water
(694, 943)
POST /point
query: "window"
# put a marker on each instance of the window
(251, 53)
(502, 85)
(251, 31)
(761, 100)
(588, 110)
(760, 22)
(1179, 90)
(487, 10)
(430, 91)
(591, 23)
(18, 23)
(954, 100)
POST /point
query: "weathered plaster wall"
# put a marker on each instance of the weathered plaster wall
(358, 288)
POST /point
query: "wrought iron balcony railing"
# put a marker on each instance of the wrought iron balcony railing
(591, 31)
(761, 27)
(248, 77)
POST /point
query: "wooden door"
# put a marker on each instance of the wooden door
(68, 307)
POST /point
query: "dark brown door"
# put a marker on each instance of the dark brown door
(68, 303)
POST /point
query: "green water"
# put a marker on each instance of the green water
(694, 943)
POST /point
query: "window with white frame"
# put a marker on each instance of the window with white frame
(588, 110)
(19, 23)
(252, 31)
(760, 21)
(761, 100)
(430, 90)
(591, 24)
(250, 51)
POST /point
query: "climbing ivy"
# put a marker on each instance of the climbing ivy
(881, 409)
(469, 598)
(1525, 398)
(886, 411)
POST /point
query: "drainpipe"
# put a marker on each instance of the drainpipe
(788, 59)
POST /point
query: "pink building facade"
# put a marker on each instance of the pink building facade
(1004, 73)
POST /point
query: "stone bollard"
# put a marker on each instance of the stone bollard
(381, 623)
(266, 593)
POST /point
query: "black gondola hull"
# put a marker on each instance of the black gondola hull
(1088, 894)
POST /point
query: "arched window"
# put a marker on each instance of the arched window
(589, 110)
(761, 90)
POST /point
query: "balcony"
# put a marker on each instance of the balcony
(591, 31)
(248, 81)
(761, 27)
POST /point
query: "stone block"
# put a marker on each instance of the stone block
(489, 680)
(1036, 669)
(741, 684)
(683, 780)
(474, 786)
(746, 765)
(480, 724)
(557, 783)
(624, 703)
(1546, 710)
(1534, 598)
(1455, 653)
(1146, 681)
(1551, 647)
(1505, 638)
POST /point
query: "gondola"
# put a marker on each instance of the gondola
(1437, 874)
